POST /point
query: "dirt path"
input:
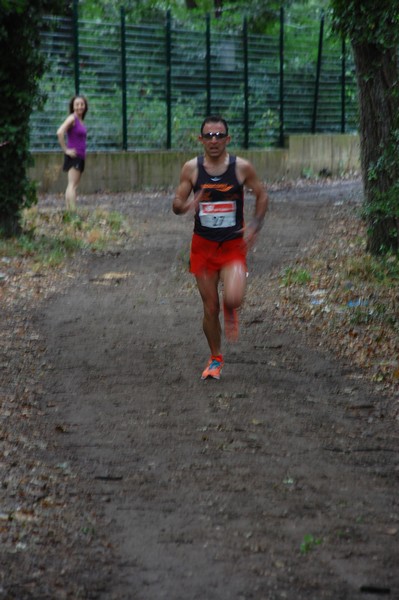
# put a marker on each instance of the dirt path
(278, 482)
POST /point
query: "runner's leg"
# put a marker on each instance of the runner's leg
(234, 279)
(208, 288)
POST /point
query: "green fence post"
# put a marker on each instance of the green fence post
(76, 45)
(246, 86)
(281, 135)
(208, 65)
(343, 86)
(317, 86)
(168, 80)
(123, 73)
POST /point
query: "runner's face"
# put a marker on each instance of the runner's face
(79, 106)
(214, 146)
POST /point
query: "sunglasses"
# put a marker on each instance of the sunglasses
(218, 135)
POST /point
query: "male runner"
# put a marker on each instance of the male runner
(220, 239)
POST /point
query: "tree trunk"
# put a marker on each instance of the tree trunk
(218, 8)
(377, 77)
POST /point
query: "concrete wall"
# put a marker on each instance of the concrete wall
(124, 171)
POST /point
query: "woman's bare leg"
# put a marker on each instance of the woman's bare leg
(70, 194)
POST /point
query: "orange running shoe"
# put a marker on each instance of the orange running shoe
(214, 367)
(230, 323)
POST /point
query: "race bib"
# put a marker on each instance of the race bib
(217, 214)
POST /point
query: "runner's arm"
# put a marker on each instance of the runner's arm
(252, 182)
(181, 203)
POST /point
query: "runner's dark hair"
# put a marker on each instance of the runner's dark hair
(215, 119)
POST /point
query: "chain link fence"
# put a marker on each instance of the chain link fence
(149, 85)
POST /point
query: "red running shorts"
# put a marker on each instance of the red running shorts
(207, 255)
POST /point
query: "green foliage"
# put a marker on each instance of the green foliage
(381, 210)
(261, 15)
(135, 9)
(146, 83)
(309, 543)
(47, 251)
(20, 72)
(380, 270)
(48, 238)
(378, 314)
(293, 276)
(366, 20)
(386, 167)
(373, 29)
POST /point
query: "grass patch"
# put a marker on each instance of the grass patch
(50, 237)
(309, 543)
(295, 276)
(374, 270)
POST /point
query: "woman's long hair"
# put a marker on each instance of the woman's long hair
(73, 100)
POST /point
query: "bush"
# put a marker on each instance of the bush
(20, 73)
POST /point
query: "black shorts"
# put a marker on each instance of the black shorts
(75, 163)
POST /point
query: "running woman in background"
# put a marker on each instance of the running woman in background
(75, 147)
(221, 239)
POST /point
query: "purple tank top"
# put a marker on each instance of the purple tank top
(76, 138)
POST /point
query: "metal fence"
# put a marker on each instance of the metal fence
(149, 85)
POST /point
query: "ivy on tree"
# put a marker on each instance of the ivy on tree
(21, 68)
(373, 30)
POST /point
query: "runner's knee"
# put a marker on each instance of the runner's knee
(234, 284)
(211, 308)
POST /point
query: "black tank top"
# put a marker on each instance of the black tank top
(220, 216)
